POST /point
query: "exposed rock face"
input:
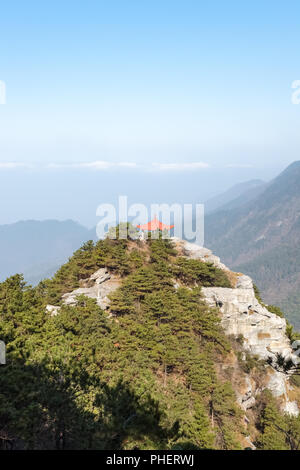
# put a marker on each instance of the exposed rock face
(198, 252)
(53, 310)
(246, 399)
(98, 286)
(264, 333)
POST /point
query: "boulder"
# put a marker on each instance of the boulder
(53, 310)
(100, 276)
(98, 286)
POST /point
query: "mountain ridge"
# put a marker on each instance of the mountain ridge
(154, 363)
(37, 248)
(267, 228)
(235, 196)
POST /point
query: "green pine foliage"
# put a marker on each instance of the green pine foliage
(278, 432)
(141, 376)
(193, 271)
(197, 429)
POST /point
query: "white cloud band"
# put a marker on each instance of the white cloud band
(101, 165)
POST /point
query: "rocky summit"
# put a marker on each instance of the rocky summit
(150, 344)
(263, 332)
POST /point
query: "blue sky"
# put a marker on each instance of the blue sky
(159, 86)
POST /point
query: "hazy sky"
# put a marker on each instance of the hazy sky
(143, 88)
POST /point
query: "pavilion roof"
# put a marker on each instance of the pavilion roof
(154, 224)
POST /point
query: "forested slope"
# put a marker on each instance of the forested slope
(155, 371)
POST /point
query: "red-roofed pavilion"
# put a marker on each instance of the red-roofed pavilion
(154, 224)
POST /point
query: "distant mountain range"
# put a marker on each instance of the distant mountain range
(261, 237)
(235, 196)
(254, 227)
(37, 248)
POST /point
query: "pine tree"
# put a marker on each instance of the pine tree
(197, 428)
